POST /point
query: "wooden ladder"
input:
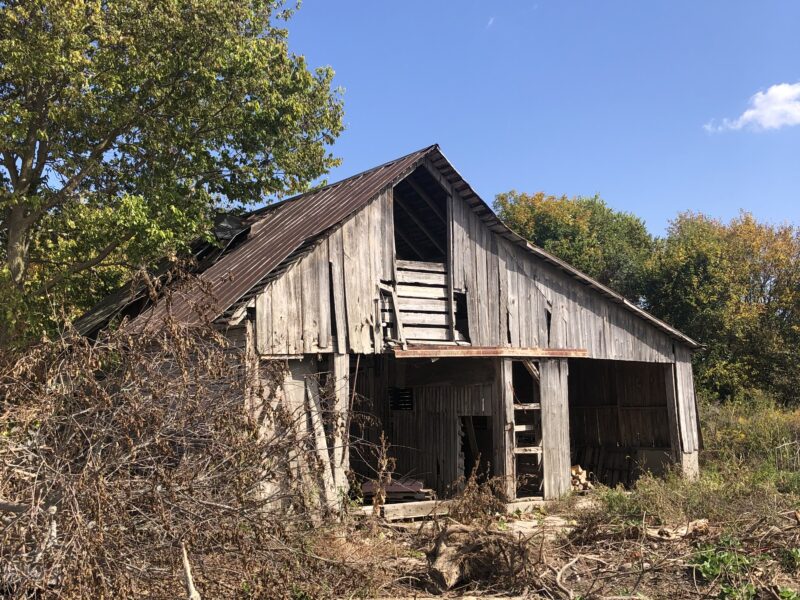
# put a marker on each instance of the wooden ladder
(524, 432)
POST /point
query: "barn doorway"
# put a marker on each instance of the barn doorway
(619, 422)
(476, 447)
(528, 467)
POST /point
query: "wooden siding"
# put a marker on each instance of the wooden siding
(687, 408)
(334, 287)
(510, 293)
(514, 299)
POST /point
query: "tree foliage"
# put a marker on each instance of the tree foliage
(123, 125)
(735, 287)
(608, 245)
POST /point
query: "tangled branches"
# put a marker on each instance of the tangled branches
(116, 454)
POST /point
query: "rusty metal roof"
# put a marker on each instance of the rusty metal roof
(280, 234)
(280, 230)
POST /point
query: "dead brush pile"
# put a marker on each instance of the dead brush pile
(118, 455)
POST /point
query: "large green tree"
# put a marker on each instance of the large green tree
(124, 124)
(736, 288)
(609, 245)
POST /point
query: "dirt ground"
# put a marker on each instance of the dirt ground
(575, 555)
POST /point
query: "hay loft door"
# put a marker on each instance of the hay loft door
(419, 306)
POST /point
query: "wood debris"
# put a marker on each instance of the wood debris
(580, 479)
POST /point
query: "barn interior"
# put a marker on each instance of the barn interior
(444, 418)
(619, 423)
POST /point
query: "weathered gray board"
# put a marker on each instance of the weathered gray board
(426, 441)
(511, 295)
(553, 373)
(340, 276)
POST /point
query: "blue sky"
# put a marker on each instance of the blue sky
(657, 106)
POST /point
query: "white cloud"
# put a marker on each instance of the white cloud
(778, 107)
(490, 23)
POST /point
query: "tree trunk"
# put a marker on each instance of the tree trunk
(17, 245)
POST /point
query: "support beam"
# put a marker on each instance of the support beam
(314, 407)
(426, 198)
(340, 370)
(555, 427)
(439, 351)
(399, 201)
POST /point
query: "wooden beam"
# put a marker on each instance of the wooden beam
(426, 198)
(555, 427)
(399, 200)
(408, 242)
(340, 368)
(532, 369)
(431, 351)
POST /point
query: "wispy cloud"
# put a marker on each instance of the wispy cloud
(490, 23)
(775, 108)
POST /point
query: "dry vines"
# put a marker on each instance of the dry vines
(118, 456)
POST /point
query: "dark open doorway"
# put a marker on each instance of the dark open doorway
(476, 446)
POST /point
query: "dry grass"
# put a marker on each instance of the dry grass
(116, 454)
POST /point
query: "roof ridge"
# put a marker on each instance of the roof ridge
(284, 202)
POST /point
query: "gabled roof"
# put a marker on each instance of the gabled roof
(280, 233)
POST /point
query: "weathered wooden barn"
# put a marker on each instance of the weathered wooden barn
(464, 343)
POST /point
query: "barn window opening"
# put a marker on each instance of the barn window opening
(401, 399)
(420, 218)
(462, 322)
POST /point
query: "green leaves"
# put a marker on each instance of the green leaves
(141, 117)
(607, 245)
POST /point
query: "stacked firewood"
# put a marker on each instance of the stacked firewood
(580, 479)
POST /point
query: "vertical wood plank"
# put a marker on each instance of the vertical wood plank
(264, 321)
(335, 256)
(322, 269)
(553, 375)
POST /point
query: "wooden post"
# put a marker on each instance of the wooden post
(555, 427)
(340, 368)
(321, 443)
(505, 429)
(672, 413)
(686, 413)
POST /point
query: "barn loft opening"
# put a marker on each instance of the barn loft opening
(420, 218)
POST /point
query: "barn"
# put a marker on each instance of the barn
(443, 332)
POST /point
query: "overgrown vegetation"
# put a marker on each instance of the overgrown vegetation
(118, 455)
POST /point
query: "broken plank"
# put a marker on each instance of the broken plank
(416, 265)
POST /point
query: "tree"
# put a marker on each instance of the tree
(736, 288)
(608, 245)
(124, 124)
